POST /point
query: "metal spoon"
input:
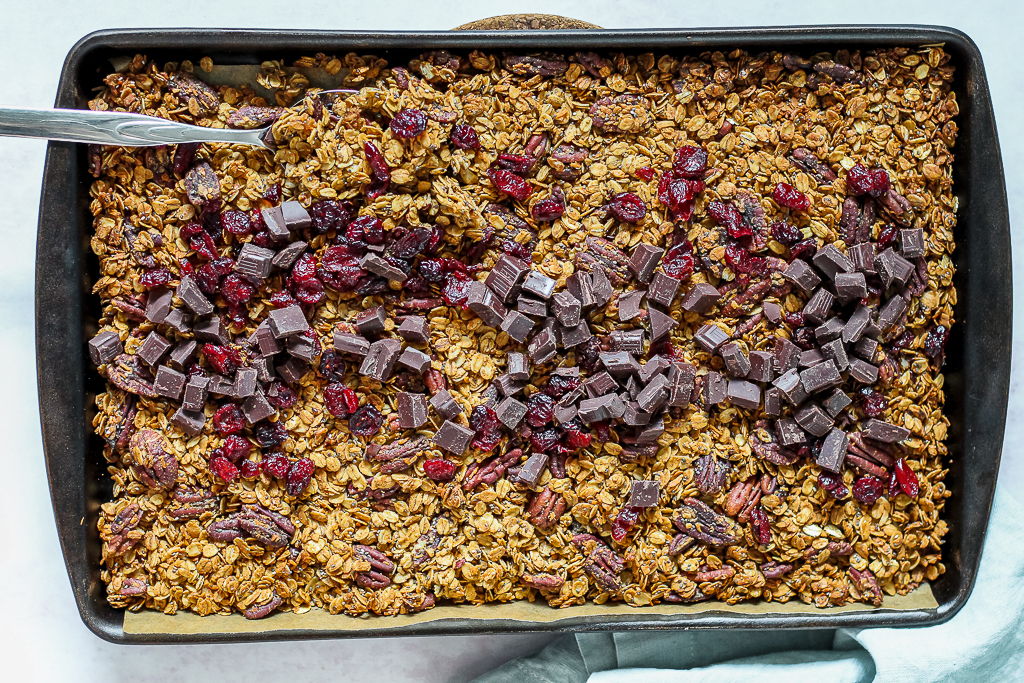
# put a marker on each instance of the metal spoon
(123, 128)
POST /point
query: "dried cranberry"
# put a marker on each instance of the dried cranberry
(340, 400)
(203, 245)
(868, 489)
(803, 249)
(833, 484)
(761, 526)
(263, 239)
(903, 341)
(236, 222)
(742, 261)
(510, 184)
(520, 251)
(304, 268)
(237, 316)
(365, 421)
(860, 180)
(793, 319)
(369, 285)
(183, 156)
(309, 292)
(437, 234)
(627, 207)
(284, 396)
(408, 244)
(679, 261)
(186, 266)
(439, 469)
(237, 290)
(455, 291)
(624, 521)
(729, 217)
(645, 173)
(299, 476)
(273, 193)
(935, 341)
(576, 438)
(550, 209)
(380, 172)
(678, 194)
(269, 434)
(804, 338)
(224, 359)
(156, 277)
(894, 485)
(276, 465)
(907, 478)
(416, 286)
(543, 440)
(369, 229)
(540, 410)
(196, 370)
(604, 431)
(690, 162)
(330, 215)
(236, 447)
(464, 137)
(872, 402)
(887, 236)
(408, 123)
(788, 196)
(785, 234)
(332, 366)
(516, 163)
(228, 420)
(487, 441)
(250, 469)
(282, 299)
(560, 385)
(207, 279)
(483, 418)
(223, 468)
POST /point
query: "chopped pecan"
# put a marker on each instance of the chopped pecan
(775, 570)
(407, 306)
(706, 575)
(770, 450)
(193, 502)
(794, 62)
(601, 252)
(538, 65)
(748, 325)
(680, 544)
(226, 530)
(134, 586)
(621, 114)
(260, 610)
(867, 584)
(401, 448)
(748, 299)
(604, 566)
(696, 519)
(126, 429)
(550, 582)
(152, 460)
(537, 145)
(127, 374)
(865, 220)
(804, 159)
(491, 470)
(839, 72)
(919, 278)
(710, 474)
(202, 185)
(250, 116)
(897, 206)
(129, 306)
(867, 466)
(435, 381)
(187, 87)
(546, 508)
(127, 519)
(595, 65)
(848, 221)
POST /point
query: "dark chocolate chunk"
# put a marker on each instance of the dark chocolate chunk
(179, 320)
(817, 308)
(183, 354)
(445, 405)
(517, 326)
(245, 382)
(189, 292)
(650, 434)
(701, 298)
(302, 347)
(886, 432)
(601, 286)
(415, 360)
(811, 357)
(654, 394)
(644, 493)
(257, 407)
(791, 387)
(574, 336)
(619, 363)
(681, 378)
(581, 286)
(253, 262)
(264, 369)
(634, 416)
(221, 386)
(371, 321)
(566, 308)
(629, 304)
(631, 341)
(606, 407)
(736, 361)
(866, 348)
(663, 289)
(453, 437)
(833, 450)
(891, 312)
(188, 421)
(772, 311)
(821, 376)
(836, 403)
(505, 277)
(351, 343)
(168, 382)
(802, 275)
(862, 256)
(813, 419)
(661, 324)
(159, 304)
(710, 337)
(851, 286)
(789, 433)
(862, 371)
(564, 414)
(293, 370)
(542, 347)
(644, 260)
(599, 384)
(761, 366)
(715, 388)
(485, 304)
(511, 412)
(378, 266)
(266, 343)
(287, 257)
(893, 268)
(380, 359)
(518, 366)
(655, 366)
(106, 346)
(856, 324)
(772, 402)
(533, 469)
(412, 410)
(508, 386)
(287, 322)
(212, 329)
(744, 394)
(633, 387)
(195, 393)
(273, 218)
(152, 349)
(525, 304)
(836, 352)
(912, 243)
(566, 371)
(831, 329)
(830, 261)
(787, 355)
(539, 285)
(415, 329)
(295, 217)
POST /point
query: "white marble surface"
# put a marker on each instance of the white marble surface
(40, 633)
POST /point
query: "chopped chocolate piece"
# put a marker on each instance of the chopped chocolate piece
(634, 416)
(821, 376)
(663, 289)
(415, 360)
(661, 324)
(891, 312)
(542, 347)
(912, 243)
(831, 329)
(508, 386)
(566, 308)
(188, 421)
(159, 305)
(302, 347)
(856, 324)
(257, 407)
(183, 354)
(817, 308)
(511, 412)
(539, 285)
(168, 382)
(195, 393)
(179, 320)
(619, 363)
(787, 355)
(851, 286)
(772, 311)
(736, 361)
(292, 370)
(631, 341)
(151, 351)
(644, 260)
(350, 343)
(744, 394)
(253, 262)
(295, 217)
(599, 384)
(525, 304)
(654, 394)
(581, 286)
(189, 292)
(518, 366)
(701, 298)
(836, 352)
(221, 386)
(650, 434)
(485, 304)
(264, 370)
(866, 348)
(644, 493)
(415, 329)
(266, 342)
(761, 366)
(380, 359)
(772, 402)
(681, 378)
(715, 388)
(564, 414)
(533, 469)
(288, 321)
(833, 450)
(886, 432)
(629, 304)
(378, 266)
(862, 256)
(789, 433)
(873, 330)
(601, 286)
(287, 257)
(445, 405)
(371, 321)
(273, 218)
(565, 371)
(412, 410)
(653, 367)
(574, 336)
(212, 330)
(862, 371)
(106, 346)
(710, 337)
(517, 326)
(453, 437)
(802, 275)
(892, 268)
(245, 382)
(811, 357)
(813, 419)
(830, 261)
(791, 387)
(836, 403)
(505, 276)
(593, 410)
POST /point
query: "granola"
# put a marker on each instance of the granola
(258, 453)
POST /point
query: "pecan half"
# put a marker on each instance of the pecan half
(187, 87)
(621, 114)
(738, 496)
(127, 374)
(867, 584)
(838, 72)
(539, 65)
(746, 300)
(763, 445)
(225, 530)
(264, 530)
(202, 185)
(775, 570)
(126, 429)
(260, 610)
(381, 565)
(401, 448)
(133, 586)
(193, 502)
(604, 566)
(601, 252)
(710, 474)
(897, 206)
(152, 459)
(707, 575)
(848, 221)
(491, 470)
(546, 508)
(595, 65)
(249, 116)
(129, 306)
(805, 160)
(696, 519)
(127, 519)
(680, 544)
(550, 582)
